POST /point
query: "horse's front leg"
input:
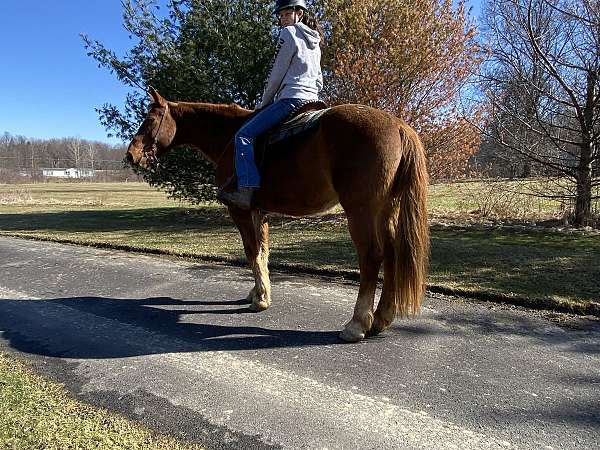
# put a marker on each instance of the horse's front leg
(254, 229)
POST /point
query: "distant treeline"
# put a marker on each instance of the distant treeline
(23, 157)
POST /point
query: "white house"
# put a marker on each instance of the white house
(68, 173)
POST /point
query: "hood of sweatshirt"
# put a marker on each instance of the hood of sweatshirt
(312, 37)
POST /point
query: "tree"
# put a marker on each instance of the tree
(542, 85)
(8, 159)
(201, 50)
(75, 148)
(91, 154)
(411, 58)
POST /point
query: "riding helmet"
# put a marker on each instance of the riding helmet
(284, 4)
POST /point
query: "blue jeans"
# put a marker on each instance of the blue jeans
(265, 120)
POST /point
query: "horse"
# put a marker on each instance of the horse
(367, 160)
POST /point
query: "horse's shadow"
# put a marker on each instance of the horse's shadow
(117, 328)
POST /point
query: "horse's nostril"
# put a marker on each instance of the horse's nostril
(129, 158)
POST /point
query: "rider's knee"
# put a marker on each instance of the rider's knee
(243, 138)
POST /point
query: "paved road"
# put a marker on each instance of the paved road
(171, 344)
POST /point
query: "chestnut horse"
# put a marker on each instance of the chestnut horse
(365, 159)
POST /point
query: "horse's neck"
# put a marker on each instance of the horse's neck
(208, 127)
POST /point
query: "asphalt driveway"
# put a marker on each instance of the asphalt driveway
(172, 344)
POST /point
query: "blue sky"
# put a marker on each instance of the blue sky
(49, 85)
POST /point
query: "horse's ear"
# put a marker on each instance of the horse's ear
(155, 96)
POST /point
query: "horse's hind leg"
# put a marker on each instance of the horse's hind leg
(363, 231)
(386, 309)
(254, 229)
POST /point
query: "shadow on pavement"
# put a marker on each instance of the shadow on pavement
(97, 327)
(525, 326)
(45, 327)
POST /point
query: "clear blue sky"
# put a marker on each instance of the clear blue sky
(49, 85)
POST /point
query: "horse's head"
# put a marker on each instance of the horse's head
(155, 135)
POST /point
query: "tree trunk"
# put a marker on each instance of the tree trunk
(583, 203)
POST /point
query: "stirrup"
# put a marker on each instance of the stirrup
(230, 182)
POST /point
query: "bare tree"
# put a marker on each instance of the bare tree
(91, 153)
(75, 151)
(20, 154)
(542, 85)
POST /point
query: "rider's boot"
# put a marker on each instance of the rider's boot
(241, 198)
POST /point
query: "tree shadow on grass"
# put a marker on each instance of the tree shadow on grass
(530, 263)
(147, 219)
(476, 261)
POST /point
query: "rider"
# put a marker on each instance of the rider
(295, 79)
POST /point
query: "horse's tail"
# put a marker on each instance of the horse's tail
(409, 227)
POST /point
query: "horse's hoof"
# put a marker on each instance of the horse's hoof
(377, 328)
(374, 331)
(352, 333)
(259, 306)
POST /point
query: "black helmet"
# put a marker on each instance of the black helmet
(284, 4)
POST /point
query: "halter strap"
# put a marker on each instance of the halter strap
(155, 139)
(154, 147)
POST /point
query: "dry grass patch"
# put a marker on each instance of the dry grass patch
(15, 197)
(24, 198)
(73, 196)
(494, 200)
(39, 414)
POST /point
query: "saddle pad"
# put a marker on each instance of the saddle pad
(295, 126)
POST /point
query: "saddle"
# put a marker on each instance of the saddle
(299, 123)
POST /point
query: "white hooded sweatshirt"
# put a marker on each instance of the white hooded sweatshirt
(296, 70)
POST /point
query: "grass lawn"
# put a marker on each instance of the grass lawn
(541, 264)
(36, 413)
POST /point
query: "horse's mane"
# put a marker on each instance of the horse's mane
(231, 110)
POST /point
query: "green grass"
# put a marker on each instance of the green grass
(36, 413)
(537, 263)
(530, 263)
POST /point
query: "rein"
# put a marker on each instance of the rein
(231, 142)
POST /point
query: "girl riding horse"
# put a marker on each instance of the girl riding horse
(294, 80)
(367, 160)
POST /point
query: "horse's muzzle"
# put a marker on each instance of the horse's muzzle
(141, 161)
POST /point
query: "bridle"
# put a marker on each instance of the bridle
(149, 152)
